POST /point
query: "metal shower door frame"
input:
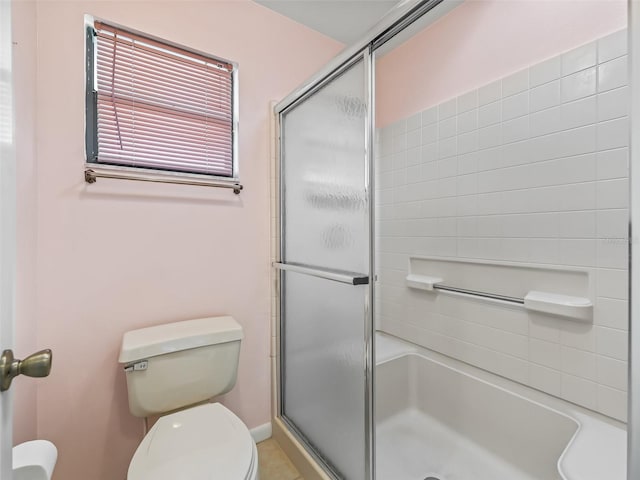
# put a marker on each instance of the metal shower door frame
(364, 55)
(633, 394)
(398, 18)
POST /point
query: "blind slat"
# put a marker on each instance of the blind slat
(132, 88)
(143, 156)
(159, 54)
(130, 55)
(186, 137)
(176, 103)
(192, 78)
(102, 28)
(193, 134)
(162, 107)
(167, 160)
(130, 141)
(169, 128)
(160, 80)
(184, 116)
(173, 167)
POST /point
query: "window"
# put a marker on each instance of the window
(157, 107)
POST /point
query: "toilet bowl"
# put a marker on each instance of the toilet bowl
(171, 370)
(205, 442)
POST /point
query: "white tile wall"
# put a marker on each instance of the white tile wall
(530, 168)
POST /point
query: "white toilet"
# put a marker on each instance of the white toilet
(178, 365)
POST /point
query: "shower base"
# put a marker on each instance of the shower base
(413, 446)
(440, 418)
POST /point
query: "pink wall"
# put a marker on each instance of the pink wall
(24, 71)
(121, 255)
(481, 41)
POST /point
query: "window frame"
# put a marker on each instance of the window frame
(92, 164)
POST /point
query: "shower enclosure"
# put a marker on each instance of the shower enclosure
(325, 265)
(453, 247)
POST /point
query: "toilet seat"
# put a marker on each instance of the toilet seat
(207, 442)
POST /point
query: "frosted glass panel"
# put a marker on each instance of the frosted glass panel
(324, 369)
(325, 218)
(326, 227)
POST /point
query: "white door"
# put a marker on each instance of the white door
(7, 228)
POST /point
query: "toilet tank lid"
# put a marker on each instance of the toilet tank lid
(173, 337)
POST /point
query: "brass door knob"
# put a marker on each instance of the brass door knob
(36, 365)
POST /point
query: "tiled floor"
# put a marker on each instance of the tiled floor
(274, 464)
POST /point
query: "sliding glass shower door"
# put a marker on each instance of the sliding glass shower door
(324, 294)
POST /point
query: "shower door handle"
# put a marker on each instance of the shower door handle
(348, 278)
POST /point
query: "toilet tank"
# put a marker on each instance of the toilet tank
(179, 364)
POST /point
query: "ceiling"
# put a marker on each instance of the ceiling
(342, 20)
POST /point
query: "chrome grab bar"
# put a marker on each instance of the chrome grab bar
(326, 274)
(576, 308)
(475, 293)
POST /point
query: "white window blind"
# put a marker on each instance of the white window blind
(162, 107)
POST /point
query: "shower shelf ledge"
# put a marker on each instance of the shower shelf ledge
(422, 282)
(567, 306)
